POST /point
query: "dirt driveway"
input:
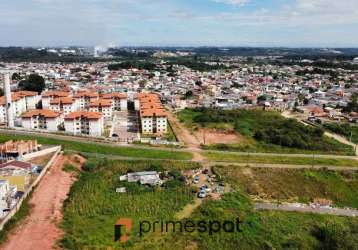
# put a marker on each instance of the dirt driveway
(39, 229)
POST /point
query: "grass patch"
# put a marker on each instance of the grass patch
(295, 185)
(93, 206)
(69, 168)
(102, 149)
(247, 158)
(261, 230)
(345, 129)
(170, 136)
(264, 131)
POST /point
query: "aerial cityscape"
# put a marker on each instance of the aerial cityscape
(209, 124)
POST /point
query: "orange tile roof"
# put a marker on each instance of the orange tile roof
(63, 100)
(101, 102)
(150, 105)
(85, 94)
(85, 114)
(14, 97)
(55, 93)
(146, 95)
(26, 93)
(114, 95)
(152, 112)
(41, 112)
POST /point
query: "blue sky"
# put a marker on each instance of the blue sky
(292, 23)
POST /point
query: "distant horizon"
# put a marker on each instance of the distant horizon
(180, 46)
(170, 23)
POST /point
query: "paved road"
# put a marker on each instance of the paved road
(192, 149)
(307, 209)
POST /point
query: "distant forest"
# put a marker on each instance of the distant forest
(286, 55)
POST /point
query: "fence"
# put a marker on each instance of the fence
(31, 187)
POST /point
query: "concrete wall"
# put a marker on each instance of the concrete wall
(96, 127)
(70, 126)
(46, 151)
(124, 104)
(26, 123)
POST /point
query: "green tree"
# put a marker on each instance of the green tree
(34, 82)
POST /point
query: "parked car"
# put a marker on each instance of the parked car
(205, 188)
(202, 194)
(196, 180)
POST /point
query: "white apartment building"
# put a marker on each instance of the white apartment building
(47, 96)
(18, 103)
(103, 106)
(64, 104)
(84, 123)
(153, 121)
(85, 99)
(153, 117)
(120, 101)
(31, 99)
(42, 119)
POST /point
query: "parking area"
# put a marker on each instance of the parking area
(206, 183)
(125, 126)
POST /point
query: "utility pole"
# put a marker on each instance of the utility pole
(204, 136)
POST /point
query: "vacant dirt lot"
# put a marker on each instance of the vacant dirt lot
(39, 230)
(212, 136)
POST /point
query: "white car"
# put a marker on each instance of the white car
(196, 180)
(202, 194)
(205, 188)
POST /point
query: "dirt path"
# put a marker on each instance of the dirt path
(184, 136)
(182, 133)
(307, 209)
(188, 209)
(339, 138)
(39, 230)
(342, 140)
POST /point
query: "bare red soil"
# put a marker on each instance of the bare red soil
(212, 136)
